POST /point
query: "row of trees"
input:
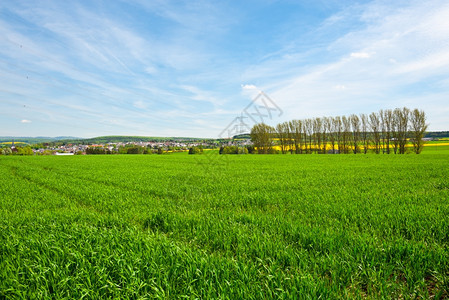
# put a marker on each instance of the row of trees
(385, 131)
(131, 149)
(234, 150)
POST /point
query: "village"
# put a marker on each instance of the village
(147, 147)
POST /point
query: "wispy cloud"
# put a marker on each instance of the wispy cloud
(411, 47)
(340, 87)
(360, 55)
(249, 87)
(167, 67)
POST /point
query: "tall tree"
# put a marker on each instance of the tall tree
(355, 124)
(262, 137)
(308, 127)
(304, 137)
(395, 130)
(282, 133)
(403, 120)
(297, 136)
(346, 138)
(382, 131)
(325, 133)
(388, 123)
(331, 133)
(290, 141)
(317, 133)
(365, 138)
(375, 129)
(338, 126)
(418, 129)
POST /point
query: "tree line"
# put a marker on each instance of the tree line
(386, 131)
(128, 149)
(17, 151)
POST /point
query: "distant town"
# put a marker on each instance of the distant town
(112, 145)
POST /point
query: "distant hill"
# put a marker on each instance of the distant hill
(242, 136)
(34, 140)
(94, 140)
(437, 134)
(127, 139)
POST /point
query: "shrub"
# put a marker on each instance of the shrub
(195, 150)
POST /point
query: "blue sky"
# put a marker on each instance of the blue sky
(188, 68)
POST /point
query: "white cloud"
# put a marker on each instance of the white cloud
(407, 50)
(25, 121)
(249, 87)
(250, 91)
(360, 55)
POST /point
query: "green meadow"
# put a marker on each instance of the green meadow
(227, 227)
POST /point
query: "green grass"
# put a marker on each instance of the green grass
(208, 226)
(436, 149)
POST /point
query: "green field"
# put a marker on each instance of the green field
(232, 227)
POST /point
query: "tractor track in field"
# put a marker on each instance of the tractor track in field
(59, 192)
(145, 193)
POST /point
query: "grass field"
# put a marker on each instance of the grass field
(203, 226)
